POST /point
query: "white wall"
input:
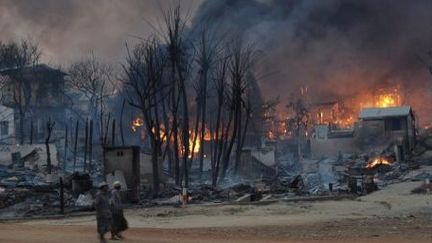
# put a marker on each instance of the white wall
(7, 115)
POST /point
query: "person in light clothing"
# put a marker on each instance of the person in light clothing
(103, 212)
(120, 223)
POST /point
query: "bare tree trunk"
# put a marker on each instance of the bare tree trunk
(229, 146)
(21, 124)
(121, 123)
(50, 126)
(91, 147)
(31, 131)
(220, 132)
(155, 168)
(195, 133)
(48, 156)
(238, 144)
(65, 155)
(85, 146)
(203, 124)
(75, 145)
(106, 129)
(176, 143)
(185, 129)
(168, 138)
(219, 156)
(113, 134)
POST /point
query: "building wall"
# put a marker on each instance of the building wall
(7, 126)
(251, 168)
(127, 160)
(146, 170)
(332, 147)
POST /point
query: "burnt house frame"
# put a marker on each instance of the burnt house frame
(43, 93)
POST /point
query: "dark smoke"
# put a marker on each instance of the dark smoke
(334, 47)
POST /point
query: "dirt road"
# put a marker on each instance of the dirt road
(390, 215)
(384, 230)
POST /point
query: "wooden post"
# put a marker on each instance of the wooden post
(85, 146)
(76, 145)
(65, 147)
(91, 146)
(113, 134)
(61, 196)
(50, 126)
(31, 131)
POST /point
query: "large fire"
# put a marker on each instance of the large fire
(378, 162)
(343, 113)
(388, 98)
(195, 143)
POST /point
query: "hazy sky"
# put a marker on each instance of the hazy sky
(68, 29)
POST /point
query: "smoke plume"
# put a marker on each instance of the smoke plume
(333, 47)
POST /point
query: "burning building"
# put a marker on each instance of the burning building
(376, 129)
(388, 125)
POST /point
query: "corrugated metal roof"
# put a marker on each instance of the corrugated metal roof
(371, 113)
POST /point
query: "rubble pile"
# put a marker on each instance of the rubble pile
(11, 197)
(422, 153)
(21, 177)
(28, 191)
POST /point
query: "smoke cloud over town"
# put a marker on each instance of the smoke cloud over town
(331, 47)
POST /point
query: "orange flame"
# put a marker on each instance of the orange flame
(388, 97)
(137, 122)
(377, 162)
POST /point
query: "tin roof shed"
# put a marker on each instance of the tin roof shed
(379, 113)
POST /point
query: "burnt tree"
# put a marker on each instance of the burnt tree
(144, 71)
(50, 126)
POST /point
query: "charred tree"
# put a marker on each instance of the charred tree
(31, 131)
(86, 135)
(220, 83)
(144, 70)
(65, 152)
(93, 80)
(90, 144)
(121, 122)
(50, 126)
(299, 123)
(75, 145)
(113, 133)
(179, 65)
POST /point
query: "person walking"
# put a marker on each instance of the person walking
(120, 223)
(103, 212)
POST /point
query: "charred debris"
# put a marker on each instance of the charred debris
(183, 121)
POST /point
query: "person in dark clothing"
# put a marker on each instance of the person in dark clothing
(103, 212)
(120, 223)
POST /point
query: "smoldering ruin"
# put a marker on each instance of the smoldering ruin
(229, 101)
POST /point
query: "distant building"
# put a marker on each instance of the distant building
(39, 90)
(7, 125)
